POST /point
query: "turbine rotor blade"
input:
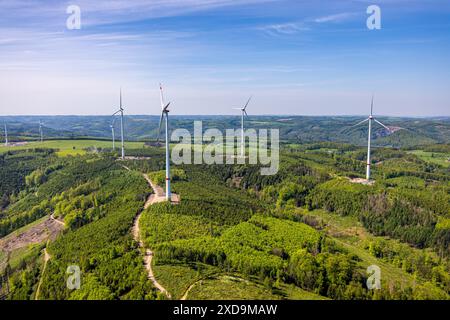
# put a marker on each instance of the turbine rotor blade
(371, 107)
(247, 102)
(160, 125)
(359, 123)
(387, 128)
(161, 96)
(120, 98)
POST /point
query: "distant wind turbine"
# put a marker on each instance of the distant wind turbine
(370, 119)
(6, 136)
(243, 113)
(113, 134)
(121, 125)
(165, 112)
(41, 131)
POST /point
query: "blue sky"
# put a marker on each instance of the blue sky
(306, 57)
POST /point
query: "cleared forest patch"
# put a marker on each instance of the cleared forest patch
(40, 232)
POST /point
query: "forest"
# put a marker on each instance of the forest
(409, 133)
(308, 232)
(285, 242)
(97, 199)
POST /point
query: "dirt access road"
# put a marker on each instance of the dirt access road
(158, 195)
(46, 258)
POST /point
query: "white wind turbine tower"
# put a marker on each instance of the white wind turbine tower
(113, 134)
(165, 112)
(41, 131)
(121, 126)
(370, 119)
(243, 113)
(6, 136)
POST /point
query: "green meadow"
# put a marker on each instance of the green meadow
(72, 147)
(440, 158)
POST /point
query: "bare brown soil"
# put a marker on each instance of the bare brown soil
(39, 233)
(362, 181)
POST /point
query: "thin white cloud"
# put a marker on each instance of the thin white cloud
(100, 12)
(285, 28)
(292, 28)
(339, 17)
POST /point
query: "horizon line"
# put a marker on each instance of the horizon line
(226, 115)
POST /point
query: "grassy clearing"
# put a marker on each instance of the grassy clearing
(433, 157)
(208, 284)
(76, 147)
(23, 254)
(348, 233)
(388, 272)
(340, 226)
(178, 277)
(71, 147)
(230, 288)
(291, 292)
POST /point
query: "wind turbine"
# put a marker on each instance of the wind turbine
(6, 136)
(370, 119)
(113, 135)
(121, 125)
(243, 113)
(41, 131)
(165, 112)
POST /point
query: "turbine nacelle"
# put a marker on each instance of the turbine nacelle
(121, 110)
(244, 108)
(165, 109)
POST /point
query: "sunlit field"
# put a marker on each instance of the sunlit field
(440, 158)
(72, 147)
